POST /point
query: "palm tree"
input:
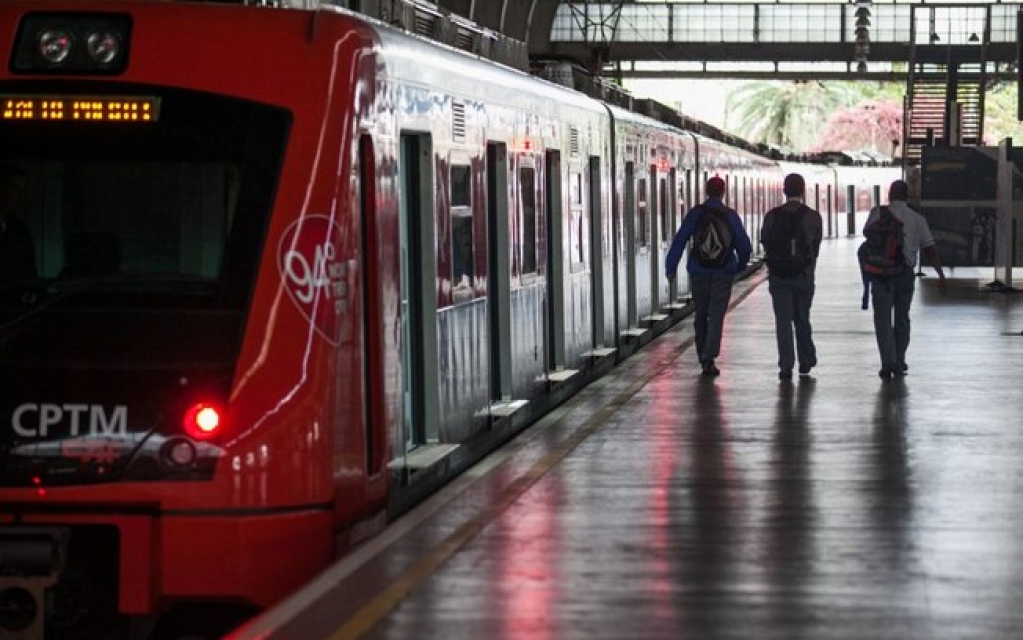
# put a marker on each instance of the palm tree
(786, 114)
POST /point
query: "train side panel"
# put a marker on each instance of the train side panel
(652, 160)
(508, 211)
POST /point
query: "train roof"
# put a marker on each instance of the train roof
(416, 59)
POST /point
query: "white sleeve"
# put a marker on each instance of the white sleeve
(924, 231)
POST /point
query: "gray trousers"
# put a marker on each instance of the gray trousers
(891, 299)
(711, 294)
(792, 299)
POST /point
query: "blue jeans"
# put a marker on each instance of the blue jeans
(892, 297)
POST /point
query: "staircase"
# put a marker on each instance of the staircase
(933, 88)
(947, 75)
(925, 112)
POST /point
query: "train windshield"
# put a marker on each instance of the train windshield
(121, 201)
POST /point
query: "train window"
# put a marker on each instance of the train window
(461, 186)
(462, 258)
(580, 242)
(527, 195)
(687, 197)
(167, 216)
(642, 234)
(576, 226)
(576, 190)
(665, 220)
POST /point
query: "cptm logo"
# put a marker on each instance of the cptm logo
(31, 420)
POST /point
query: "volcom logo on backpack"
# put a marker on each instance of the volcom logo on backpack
(881, 253)
(712, 243)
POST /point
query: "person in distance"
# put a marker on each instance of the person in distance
(720, 249)
(791, 235)
(891, 295)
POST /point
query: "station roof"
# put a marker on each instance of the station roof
(705, 38)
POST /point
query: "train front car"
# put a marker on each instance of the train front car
(179, 333)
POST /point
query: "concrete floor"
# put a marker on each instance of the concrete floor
(662, 504)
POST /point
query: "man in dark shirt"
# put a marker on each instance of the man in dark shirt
(795, 231)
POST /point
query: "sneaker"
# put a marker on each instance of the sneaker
(885, 373)
(785, 374)
(709, 369)
(804, 370)
(901, 370)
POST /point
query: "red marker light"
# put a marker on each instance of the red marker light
(202, 421)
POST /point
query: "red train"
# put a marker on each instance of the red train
(269, 276)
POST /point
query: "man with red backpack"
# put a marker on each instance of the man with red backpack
(721, 248)
(791, 235)
(895, 234)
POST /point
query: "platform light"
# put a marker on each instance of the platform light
(73, 43)
(862, 35)
(862, 13)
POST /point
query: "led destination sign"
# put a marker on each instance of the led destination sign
(79, 108)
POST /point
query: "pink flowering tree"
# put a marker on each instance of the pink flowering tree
(871, 125)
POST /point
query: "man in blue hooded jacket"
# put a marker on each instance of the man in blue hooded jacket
(711, 284)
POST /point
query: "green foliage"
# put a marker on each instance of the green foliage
(785, 114)
(1000, 117)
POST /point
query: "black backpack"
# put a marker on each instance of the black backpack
(712, 242)
(881, 254)
(788, 252)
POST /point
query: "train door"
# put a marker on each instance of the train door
(418, 293)
(499, 274)
(629, 218)
(554, 318)
(663, 233)
(668, 201)
(747, 209)
(829, 203)
(642, 245)
(597, 252)
(655, 224)
(689, 200)
(689, 196)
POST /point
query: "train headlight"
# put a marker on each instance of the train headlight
(103, 47)
(80, 43)
(54, 45)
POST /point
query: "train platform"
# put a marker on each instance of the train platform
(659, 503)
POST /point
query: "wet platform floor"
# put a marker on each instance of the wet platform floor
(662, 504)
